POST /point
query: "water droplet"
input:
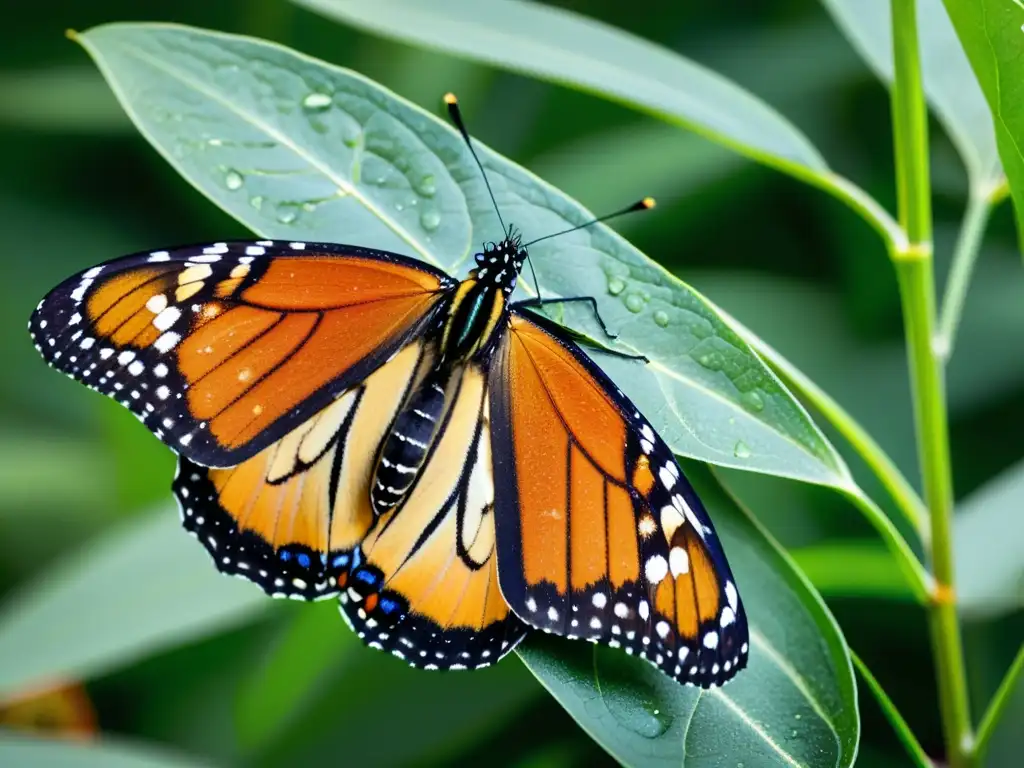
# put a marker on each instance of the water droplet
(430, 220)
(233, 180)
(752, 400)
(741, 450)
(352, 137)
(661, 318)
(616, 286)
(317, 101)
(256, 201)
(797, 716)
(634, 302)
(713, 361)
(215, 142)
(793, 733)
(399, 207)
(309, 207)
(427, 186)
(287, 216)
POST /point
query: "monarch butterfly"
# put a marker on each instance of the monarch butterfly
(449, 464)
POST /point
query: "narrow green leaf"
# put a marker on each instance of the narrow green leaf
(795, 705)
(569, 48)
(313, 645)
(298, 149)
(906, 736)
(989, 541)
(853, 569)
(992, 33)
(950, 85)
(1011, 687)
(141, 589)
(17, 750)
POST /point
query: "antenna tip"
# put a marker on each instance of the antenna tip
(648, 203)
(450, 100)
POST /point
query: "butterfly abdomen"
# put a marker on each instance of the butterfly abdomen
(406, 446)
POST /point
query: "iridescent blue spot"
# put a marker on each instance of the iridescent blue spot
(366, 576)
(340, 561)
(388, 606)
(286, 555)
(323, 558)
(303, 559)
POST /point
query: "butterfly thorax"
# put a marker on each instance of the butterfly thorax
(479, 302)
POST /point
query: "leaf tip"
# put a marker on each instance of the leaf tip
(72, 35)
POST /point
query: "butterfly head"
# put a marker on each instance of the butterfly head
(499, 264)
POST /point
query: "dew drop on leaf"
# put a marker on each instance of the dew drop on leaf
(317, 101)
(399, 207)
(430, 220)
(233, 180)
(713, 361)
(616, 286)
(752, 400)
(256, 201)
(287, 216)
(352, 138)
(427, 186)
(634, 302)
(661, 318)
(741, 450)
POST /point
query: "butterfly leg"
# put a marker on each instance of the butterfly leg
(579, 337)
(539, 302)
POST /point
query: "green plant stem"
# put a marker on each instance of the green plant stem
(917, 291)
(914, 749)
(997, 706)
(914, 272)
(965, 255)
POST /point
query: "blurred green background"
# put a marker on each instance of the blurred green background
(78, 186)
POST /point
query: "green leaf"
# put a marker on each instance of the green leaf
(950, 86)
(29, 485)
(430, 718)
(795, 705)
(573, 50)
(991, 34)
(17, 750)
(138, 590)
(989, 539)
(569, 48)
(298, 149)
(853, 569)
(69, 100)
(311, 647)
(903, 731)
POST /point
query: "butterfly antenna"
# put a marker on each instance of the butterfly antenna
(456, 116)
(640, 205)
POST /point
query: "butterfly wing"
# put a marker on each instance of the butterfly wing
(425, 585)
(600, 536)
(290, 517)
(224, 349)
